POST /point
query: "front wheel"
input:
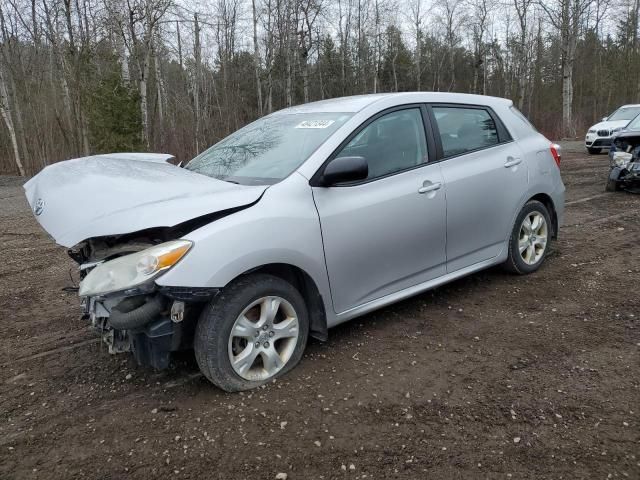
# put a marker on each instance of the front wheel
(529, 239)
(611, 185)
(594, 151)
(255, 330)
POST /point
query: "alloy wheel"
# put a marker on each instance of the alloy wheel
(533, 237)
(263, 338)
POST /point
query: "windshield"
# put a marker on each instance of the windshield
(624, 113)
(635, 124)
(269, 149)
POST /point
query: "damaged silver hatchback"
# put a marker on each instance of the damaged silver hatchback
(304, 219)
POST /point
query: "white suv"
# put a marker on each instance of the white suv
(599, 135)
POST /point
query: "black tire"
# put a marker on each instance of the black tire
(594, 151)
(217, 319)
(611, 186)
(515, 263)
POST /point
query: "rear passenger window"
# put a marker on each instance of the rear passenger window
(465, 129)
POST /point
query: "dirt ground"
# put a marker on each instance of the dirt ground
(492, 376)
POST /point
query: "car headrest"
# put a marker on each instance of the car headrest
(400, 130)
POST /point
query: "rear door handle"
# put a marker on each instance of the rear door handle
(512, 162)
(430, 187)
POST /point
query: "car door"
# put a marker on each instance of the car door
(386, 233)
(485, 178)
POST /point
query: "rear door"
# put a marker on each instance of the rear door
(485, 177)
(386, 233)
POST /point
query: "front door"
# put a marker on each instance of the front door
(387, 233)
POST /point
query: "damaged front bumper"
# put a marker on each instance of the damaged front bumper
(148, 321)
(625, 162)
(626, 178)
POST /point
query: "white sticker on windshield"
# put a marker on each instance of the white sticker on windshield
(315, 124)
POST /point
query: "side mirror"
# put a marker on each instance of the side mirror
(604, 119)
(345, 169)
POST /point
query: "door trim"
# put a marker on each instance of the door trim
(415, 290)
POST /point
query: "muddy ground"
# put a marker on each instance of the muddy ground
(492, 376)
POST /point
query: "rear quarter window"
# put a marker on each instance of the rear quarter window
(520, 116)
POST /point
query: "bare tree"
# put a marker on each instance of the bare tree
(522, 53)
(417, 16)
(197, 74)
(144, 19)
(480, 11)
(309, 11)
(256, 56)
(452, 19)
(568, 17)
(5, 110)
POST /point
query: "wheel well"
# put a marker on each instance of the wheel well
(548, 202)
(307, 288)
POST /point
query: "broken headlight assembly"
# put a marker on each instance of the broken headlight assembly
(134, 269)
(622, 159)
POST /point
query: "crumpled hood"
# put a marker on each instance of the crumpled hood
(609, 125)
(122, 193)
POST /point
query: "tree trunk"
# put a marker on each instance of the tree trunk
(256, 57)
(376, 47)
(270, 47)
(144, 110)
(5, 110)
(418, 57)
(160, 92)
(84, 132)
(395, 73)
(124, 61)
(289, 67)
(417, 22)
(197, 52)
(568, 60)
(567, 98)
(179, 44)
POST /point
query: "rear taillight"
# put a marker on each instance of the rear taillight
(555, 151)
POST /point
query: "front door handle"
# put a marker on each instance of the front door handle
(512, 162)
(429, 187)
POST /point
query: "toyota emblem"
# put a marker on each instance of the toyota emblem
(39, 207)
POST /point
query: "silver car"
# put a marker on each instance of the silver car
(303, 219)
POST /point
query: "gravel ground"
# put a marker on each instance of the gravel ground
(491, 376)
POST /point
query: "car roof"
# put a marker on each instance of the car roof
(629, 105)
(357, 103)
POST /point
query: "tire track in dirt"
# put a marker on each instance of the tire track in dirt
(53, 351)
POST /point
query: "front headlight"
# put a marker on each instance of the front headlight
(621, 159)
(132, 270)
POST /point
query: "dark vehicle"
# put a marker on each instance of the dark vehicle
(624, 172)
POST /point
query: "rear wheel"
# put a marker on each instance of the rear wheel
(530, 238)
(254, 331)
(594, 151)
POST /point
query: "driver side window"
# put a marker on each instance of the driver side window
(392, 143)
